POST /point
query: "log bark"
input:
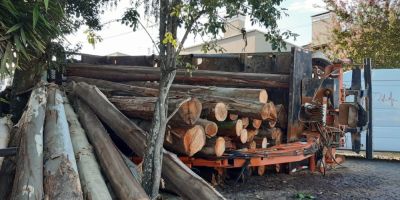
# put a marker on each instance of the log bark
(210, 128)
(92, 181)
(247, 145)
(185, 141)
(176, 174)
(253, 110)
(28, 181)
(61, 178)
(123, 183)
(281, 116)
(230, 128)
(188, 109)
(214, 147)
(274, 135)
(233, 117)
(251, 133)
(5, 128)
(201, 77)
(250, 94)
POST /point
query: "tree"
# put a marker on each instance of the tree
(366, 29)
(201, 18)
(31, 35)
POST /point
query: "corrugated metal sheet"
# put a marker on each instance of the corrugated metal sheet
(386, 109)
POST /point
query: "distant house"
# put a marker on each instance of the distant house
(322, 25)
(117, 54)
(232, 41)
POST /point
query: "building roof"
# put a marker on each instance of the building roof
(116, 54)
(319, 14)
(252, 31)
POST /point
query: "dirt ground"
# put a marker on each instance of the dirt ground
(355, 179)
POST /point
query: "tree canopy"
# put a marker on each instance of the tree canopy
(366, 29)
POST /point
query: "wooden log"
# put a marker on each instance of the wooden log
(273, 134)
(117, 87)
(28, 181)
(215, 111)
(61, 178)
(272, 118)
(92, 181)
(281, 116)
(253, 110)
(185, 141)
(229, 144)
(188, 109)
(120, 73)
(5, 128)
(210, 128)
(260, 95)
(251, 133)
(261, 170)
(123, 183)
(184, 181)
(247, 145)
(233, 117)
(262, 142)
(245, 121)
(256, 123)
(214, 147)
(230, 128)
(243, 136)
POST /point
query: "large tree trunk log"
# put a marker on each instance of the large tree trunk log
(256, 123)
(230, 128)
(122, 182)
(210, 128)
(260, 95)
(188, 110)
(203, 77)
(61, 178)
(93, 184)
(251, 133)
(214, 147)
(117, 87)
(28, 182)
(5, 128)
(185, 141)
(184, 181)
(253, 110)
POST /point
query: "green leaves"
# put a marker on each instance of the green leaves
(46, 4)
(169, 39)
(35, 15)
(14, 28)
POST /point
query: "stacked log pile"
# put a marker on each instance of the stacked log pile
(205, 121)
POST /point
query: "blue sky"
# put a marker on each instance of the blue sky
(117, 37)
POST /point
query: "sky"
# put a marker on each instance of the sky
(120, 38)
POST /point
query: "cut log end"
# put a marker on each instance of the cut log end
(190, 111)
(272, 123)
(211, 129)
(256, 123)
(264, 143)
(221, 111)
(263, 96)
(194, 140)
(261, 170)
(219, 146)
(243, 136)
(239, 128)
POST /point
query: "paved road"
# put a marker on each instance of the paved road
(356, 179)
